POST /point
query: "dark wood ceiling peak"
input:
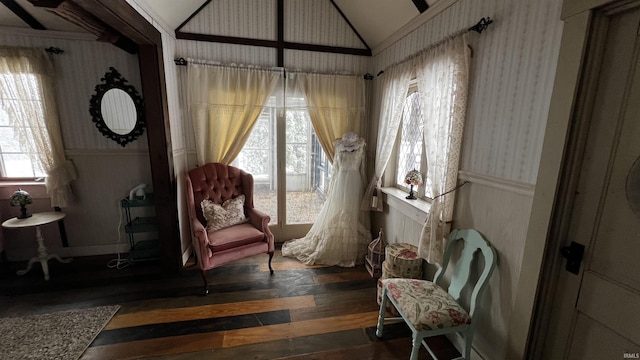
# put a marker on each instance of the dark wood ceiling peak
(23, 14)
(279, 44)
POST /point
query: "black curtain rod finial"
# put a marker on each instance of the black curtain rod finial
(368, 76)
(54, 50)
(482, 25)
(180, 61)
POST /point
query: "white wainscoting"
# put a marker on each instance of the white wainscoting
(94, 222)
(500, 210)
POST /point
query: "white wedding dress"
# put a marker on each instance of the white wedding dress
(341, 233)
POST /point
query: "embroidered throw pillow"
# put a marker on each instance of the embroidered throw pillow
(230, 213)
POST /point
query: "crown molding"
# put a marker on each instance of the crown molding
(53, 34)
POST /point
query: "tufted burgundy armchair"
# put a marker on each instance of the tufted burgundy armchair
(220, 182)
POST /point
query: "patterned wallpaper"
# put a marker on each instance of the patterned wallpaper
(513, 69)
(254, 19)
(303, 20)
(79, 70)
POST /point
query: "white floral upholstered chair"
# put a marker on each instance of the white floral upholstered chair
(429, 309)
(225, 226)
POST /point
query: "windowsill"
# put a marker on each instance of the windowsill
(415, 209)
(36, 189)
(20, 183)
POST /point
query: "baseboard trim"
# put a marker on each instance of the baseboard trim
(25, 254)
(187, 254)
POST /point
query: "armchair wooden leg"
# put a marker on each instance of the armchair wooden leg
(270, 257)
(206, 283)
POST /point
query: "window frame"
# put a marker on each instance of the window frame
(420, 191)
(28, 179)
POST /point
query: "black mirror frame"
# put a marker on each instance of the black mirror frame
(113, 80)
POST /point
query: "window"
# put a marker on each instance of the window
(305, 165)
(20, 93)
(410, 148)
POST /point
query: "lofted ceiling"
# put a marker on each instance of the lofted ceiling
(374, 20)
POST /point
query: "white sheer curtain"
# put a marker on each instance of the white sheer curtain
(225, 103)
(336, 104)
(443, 76)
(395, 85)
(27, 88)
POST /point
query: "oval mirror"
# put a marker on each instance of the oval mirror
(116, 109)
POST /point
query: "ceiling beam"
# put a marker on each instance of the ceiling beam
(76, 14)
(23, 14)
(280, 47)
(279, 44)
(272, 43)
(421, 5)
(193, 15)
(344, 17)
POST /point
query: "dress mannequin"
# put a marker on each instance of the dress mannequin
(340, 234)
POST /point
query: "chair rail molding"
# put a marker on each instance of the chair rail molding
(498, 183)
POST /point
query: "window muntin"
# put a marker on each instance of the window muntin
(306, 167)
(410, 145)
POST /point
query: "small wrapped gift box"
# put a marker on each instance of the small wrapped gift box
(401, 261)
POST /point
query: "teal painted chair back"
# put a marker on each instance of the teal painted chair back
(474, 243)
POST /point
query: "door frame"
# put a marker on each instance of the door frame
(579, 59)
(119, 15)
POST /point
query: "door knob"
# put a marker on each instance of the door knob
(573, 253)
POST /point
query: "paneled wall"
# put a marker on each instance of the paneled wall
(106, 171)
(512, 72)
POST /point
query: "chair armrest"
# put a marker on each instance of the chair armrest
(200, 242)
(199, 231)
(261, 221)
(258, 219)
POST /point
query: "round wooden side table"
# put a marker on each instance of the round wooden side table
(36, 220)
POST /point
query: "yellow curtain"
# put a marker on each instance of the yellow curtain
(336, 104)
(225, 103)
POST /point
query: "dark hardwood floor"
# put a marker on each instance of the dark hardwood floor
(301, 312)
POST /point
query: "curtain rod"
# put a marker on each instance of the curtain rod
(482, 25)
(183, 62)
(479, 27)
(54, 50)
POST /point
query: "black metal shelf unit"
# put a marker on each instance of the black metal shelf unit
(140, 249)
